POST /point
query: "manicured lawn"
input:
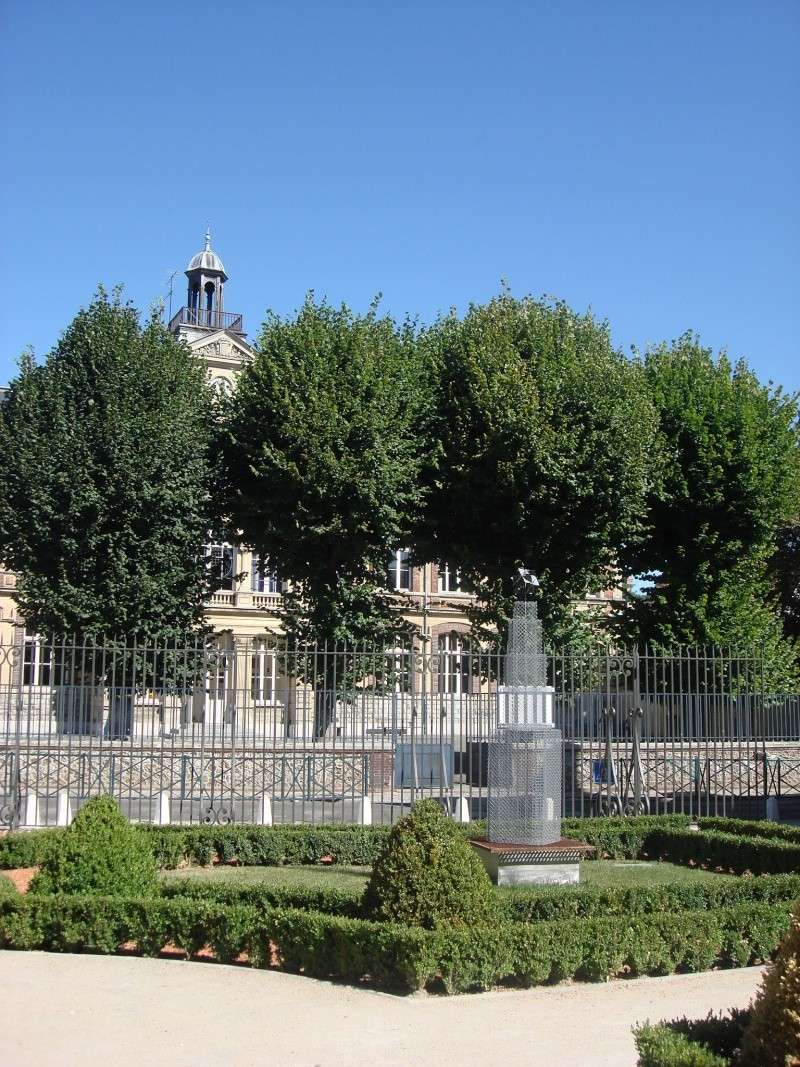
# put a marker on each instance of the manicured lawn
(613, 873)
(605, 873)
(336, 877)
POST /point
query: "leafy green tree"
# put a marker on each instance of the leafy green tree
(785, 570)
(322, 452)
(105, 494)
(728, 477)
(539, 454)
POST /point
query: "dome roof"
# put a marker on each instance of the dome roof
(207, 259)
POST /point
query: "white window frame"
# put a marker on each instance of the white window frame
(263, 673)
(455, 664)
(399, 564)
(448, 579)
(220, 552)
(263, 582)
(37, 664)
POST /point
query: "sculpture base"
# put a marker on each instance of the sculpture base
(520, 864)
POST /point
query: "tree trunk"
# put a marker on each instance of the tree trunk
(120, 717)
(324, 711)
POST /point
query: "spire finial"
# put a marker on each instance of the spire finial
(208, 237)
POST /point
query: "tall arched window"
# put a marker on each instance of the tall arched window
(455, 663)
(209, 303)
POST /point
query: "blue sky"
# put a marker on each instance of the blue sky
(641, 159)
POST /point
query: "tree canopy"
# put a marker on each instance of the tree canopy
(727, 478)
(322, 453)
(105, 495)
(539, 452)
(785, 570)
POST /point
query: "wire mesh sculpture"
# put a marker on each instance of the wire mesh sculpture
(525, 758)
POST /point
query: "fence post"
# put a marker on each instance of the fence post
(31, 817)
(266, 811)
(63, 808)
(364, 811)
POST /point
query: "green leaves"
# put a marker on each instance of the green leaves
(322, 452)
(428, 875)
(539, 451)
(100, 853)
(105, 487)
(727, 477)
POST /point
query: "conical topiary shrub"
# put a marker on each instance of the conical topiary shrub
(428, 875)
(773, 1037)
(102, 854)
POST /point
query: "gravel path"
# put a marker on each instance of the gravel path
(110, 1011)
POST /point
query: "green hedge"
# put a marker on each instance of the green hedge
(730, 852)
(709, 1042)
(7, 887)
(664, 836)
(292, 844)
(328, 900)
(617, 837)
(266, 846)
(658, 1046)
(387, 954)
(520, 904)
(29, 849)
(752, 828)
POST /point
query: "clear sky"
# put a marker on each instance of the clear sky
(638, 158)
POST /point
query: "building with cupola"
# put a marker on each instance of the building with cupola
(247, 601)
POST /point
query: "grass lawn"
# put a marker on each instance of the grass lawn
(336, 877)
(605, 873)
(612, 873)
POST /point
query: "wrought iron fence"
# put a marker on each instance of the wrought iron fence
(244, 730)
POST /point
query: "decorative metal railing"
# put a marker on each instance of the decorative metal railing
(207, 318)
(218, 726)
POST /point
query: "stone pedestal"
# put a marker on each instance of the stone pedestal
(557, 863)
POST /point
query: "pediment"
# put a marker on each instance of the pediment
(221, 345)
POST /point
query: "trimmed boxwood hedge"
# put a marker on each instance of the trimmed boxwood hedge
(388, 954)
(520, 904)
(620, 838)
(728, 852)
(328, 900)
(752, 828)
(616, 838)
(709, 1042)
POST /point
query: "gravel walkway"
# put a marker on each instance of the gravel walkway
(110, 1011)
